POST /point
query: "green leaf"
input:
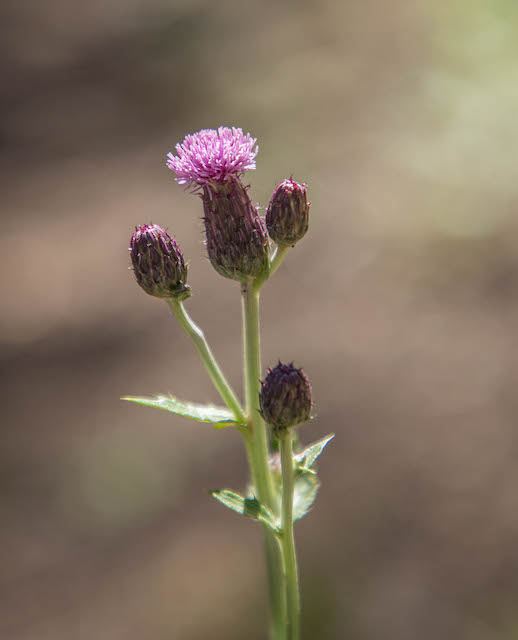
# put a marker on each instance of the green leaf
(305, 460)
(306, 489)
(219, 417)
(249, 507)
(306, 481)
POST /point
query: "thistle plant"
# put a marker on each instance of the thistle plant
(283, 486)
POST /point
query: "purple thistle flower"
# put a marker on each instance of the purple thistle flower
(211, 162)
(211, 156)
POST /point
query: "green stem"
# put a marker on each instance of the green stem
(216, 375)
(252, 364)
(275, 263)
(287, 538)
(258, 454)
(277, 259)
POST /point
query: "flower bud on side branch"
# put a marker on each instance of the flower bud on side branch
(285, 398)
(287, 217)
(158, 263)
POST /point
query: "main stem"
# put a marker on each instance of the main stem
(287, 538)
(258, 453)
(252, 364)
(208, 359)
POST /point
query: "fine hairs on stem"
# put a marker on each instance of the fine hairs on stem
(239, 242)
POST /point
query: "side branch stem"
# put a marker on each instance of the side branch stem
(216, 375)
(275, 263)
(288, 540)
(277, 259)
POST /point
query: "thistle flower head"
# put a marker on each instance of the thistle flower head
(158, 263)
(287, 217)
(211, 156)
(285, 398)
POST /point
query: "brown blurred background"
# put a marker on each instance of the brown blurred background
(401, 304)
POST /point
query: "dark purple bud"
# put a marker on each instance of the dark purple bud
(285, 398)
(237, 240)
(158, 263)
(287, 217)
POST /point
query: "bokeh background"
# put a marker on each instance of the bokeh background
(401, 304)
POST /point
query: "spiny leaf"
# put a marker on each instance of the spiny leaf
(219, 417)
(250, 507)
(305, 460)
(306, 481)
(306, 489)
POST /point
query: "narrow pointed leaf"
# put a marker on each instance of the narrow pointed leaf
(249, 507)
(305, 460)
(219, 417)
(306, 489)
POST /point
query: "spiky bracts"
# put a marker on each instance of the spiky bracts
(158, 263)
(287, 217)
(285, 398)
(237, 241)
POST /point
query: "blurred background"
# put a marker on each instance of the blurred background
(401, 304)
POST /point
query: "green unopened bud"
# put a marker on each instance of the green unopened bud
(287, 217)
(158, 263)
(237, 241)
(285, 398)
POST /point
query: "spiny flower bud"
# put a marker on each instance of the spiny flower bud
(158, 263)
(285, 398)
(212, 162)
(237, 241)
(287, 217)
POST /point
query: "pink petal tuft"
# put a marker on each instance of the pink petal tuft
(213, 156)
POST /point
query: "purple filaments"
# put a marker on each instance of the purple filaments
(213, 156)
